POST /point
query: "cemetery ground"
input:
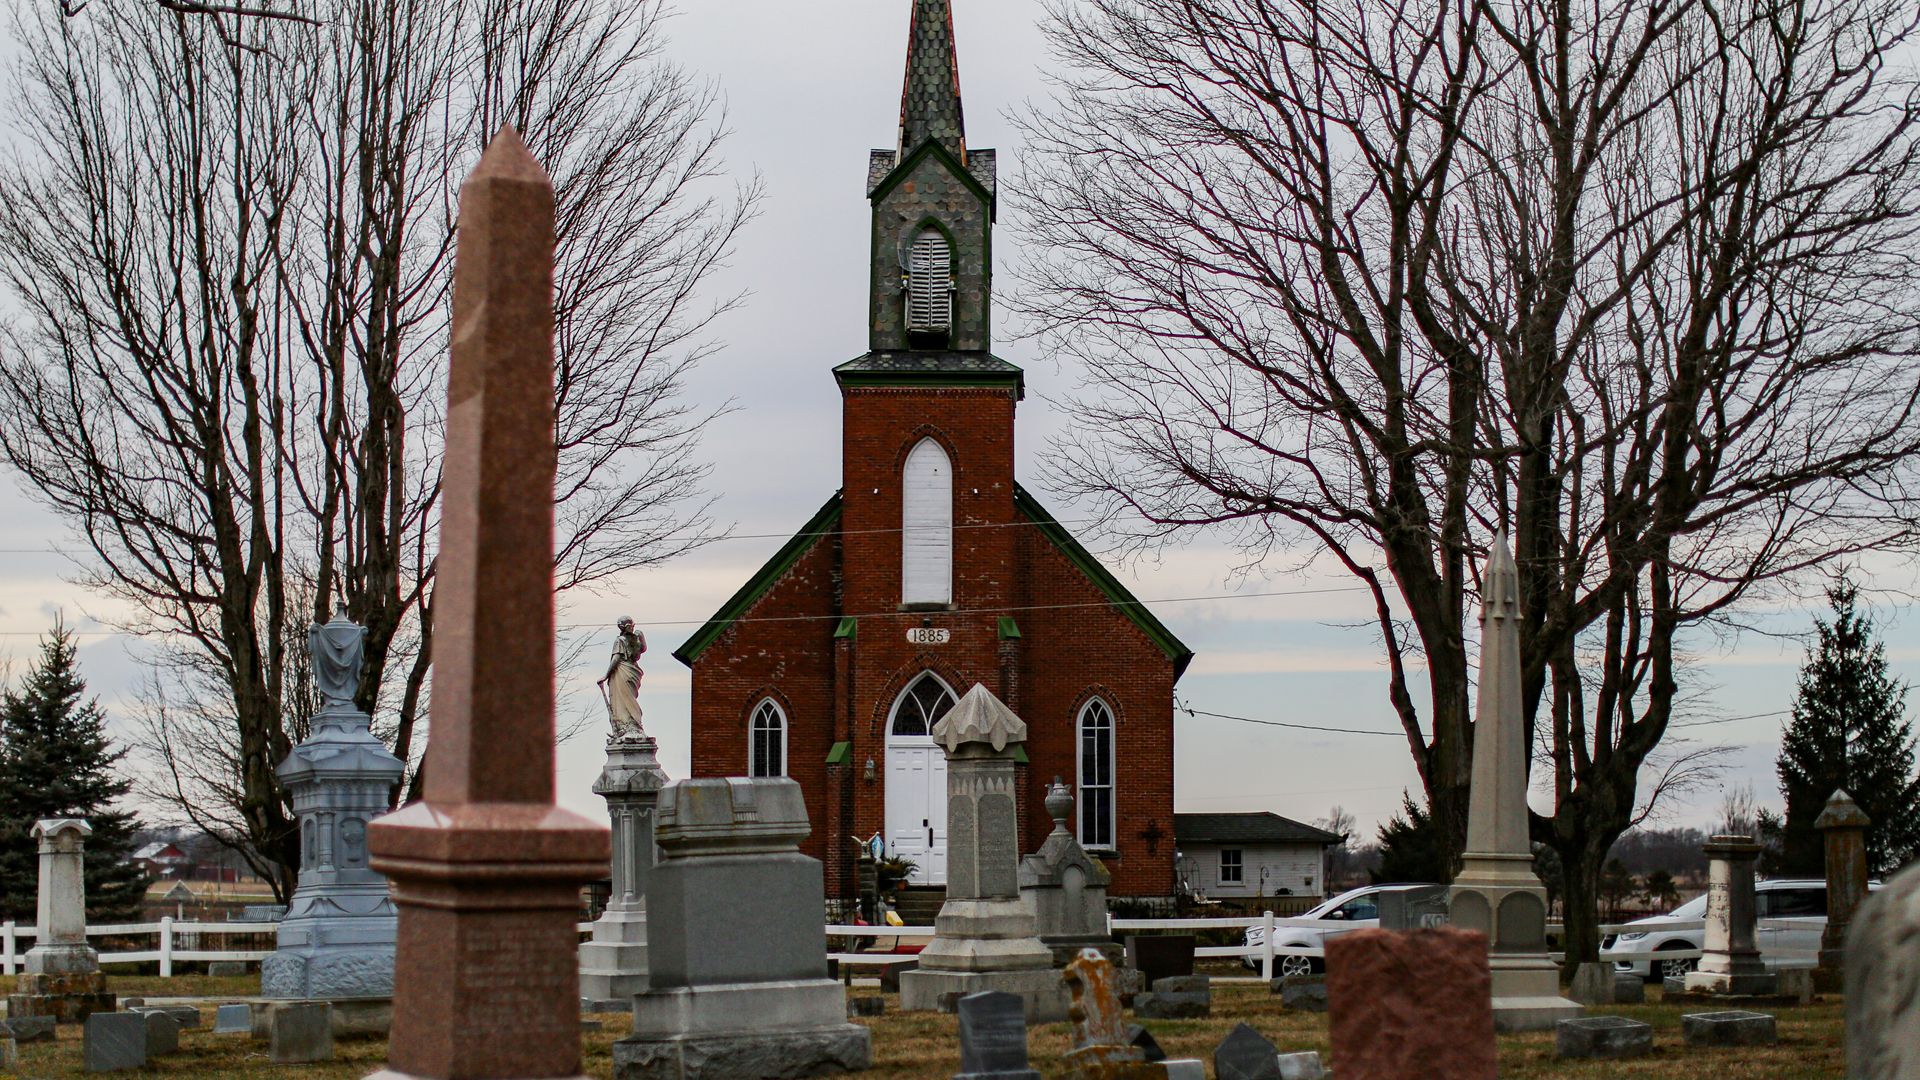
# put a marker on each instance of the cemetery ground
(924, 1046)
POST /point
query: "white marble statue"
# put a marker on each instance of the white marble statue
(621, 684)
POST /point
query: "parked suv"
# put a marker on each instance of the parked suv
(1793, 913)
(1359, 909)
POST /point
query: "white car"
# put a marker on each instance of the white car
(1792, 914)
(1358, 909)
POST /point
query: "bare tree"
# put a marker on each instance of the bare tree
(232, 245)
(1629, 281)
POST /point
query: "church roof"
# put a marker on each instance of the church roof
(1254, 828)
(930, 93)
(930, 366)
(826, 520)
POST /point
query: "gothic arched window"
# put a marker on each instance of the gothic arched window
(922, 706)
(1096, 775)
(768, 741)
(930, 283)
(926, 534)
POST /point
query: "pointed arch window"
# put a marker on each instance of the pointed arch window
(930, 283)
(926, 536)
(1096, 775)
(767, 741)
(922, 706)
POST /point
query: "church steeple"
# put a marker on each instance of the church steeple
(930, 98)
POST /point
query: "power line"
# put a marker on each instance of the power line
(1191, 711)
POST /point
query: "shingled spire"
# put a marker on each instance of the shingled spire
(930, 99)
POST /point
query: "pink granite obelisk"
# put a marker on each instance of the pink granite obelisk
(486, 869)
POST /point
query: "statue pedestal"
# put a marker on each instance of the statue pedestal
(613, 966)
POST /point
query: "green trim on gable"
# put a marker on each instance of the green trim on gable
(1104, 580)
(839, 753)
(931, 146)
(849, 628)
(1020, 753)
(823, 520)
(1009, 630)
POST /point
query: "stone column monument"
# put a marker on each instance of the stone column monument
(336, 941)
(738, 984)
(984, 937)
(1883, 982)
(1497, 893)
(486, 869)
(1066, 888)
(1731, 964)
(1844, 826)
(63, 978)
(613, 966)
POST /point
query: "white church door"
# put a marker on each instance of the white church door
(917, 780)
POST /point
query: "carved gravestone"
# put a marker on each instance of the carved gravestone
(1246, 1055)
(1730, 963)
(63, 978)
(1066, 888)
(993, 1037)
(1883, 982)
(1843, 825)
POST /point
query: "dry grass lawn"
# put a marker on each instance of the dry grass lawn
(922, 1046)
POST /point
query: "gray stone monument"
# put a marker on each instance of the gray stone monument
(1843, 827)
(984, 937)
(1066, 888)
(613, 966)
(737, 965)
(337, 939)
(1731, 964)
(63, 978)
(993, 1037)
(1497, 893)
(1883, 982)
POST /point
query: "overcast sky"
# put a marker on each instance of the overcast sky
(811, 86)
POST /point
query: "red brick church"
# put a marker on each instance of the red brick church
(932, 569)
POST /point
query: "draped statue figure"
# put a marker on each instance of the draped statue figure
(621, 684)
(336, 648)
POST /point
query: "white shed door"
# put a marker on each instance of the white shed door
(926, 545)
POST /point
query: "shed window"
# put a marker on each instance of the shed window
(1096, 775)
(930, 283)
(926, 541)
(768, 741)
(1230, 866)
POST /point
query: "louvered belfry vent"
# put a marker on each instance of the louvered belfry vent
(930, 284)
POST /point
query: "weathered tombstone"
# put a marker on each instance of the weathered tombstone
(1066, 888)
(186, 1017)
(1843, 825)
(1245, 1054)
(1732, 1027)
(1497, 892)
(1797, 983)
(63, 978)
(1304, 1065)
(336, 940)
(1592, 984)
(163, 1033)
(1302, 993)
(1883, 982)
(993, 1037)
(233, 1020)
(226, 969)
(1412, 909)
(1730, 964)
(1149, 1046)
(28, 1029)
(1410, 1004)
(1673, 984)
(1181, 1069)
(1629, 989)
(486, 869)
(1101, 1047)
(9, 1054)
(613, 966)
(112, 1041)
(1176, 997)
(721, 1003)
(299, 1033)
(1602, 1037)
(867, 1005)
(1160, 956)
(984, 936)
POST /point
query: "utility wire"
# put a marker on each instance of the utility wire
(1191, 711)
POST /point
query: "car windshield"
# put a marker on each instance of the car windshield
(1692, 909)
(1351, 894)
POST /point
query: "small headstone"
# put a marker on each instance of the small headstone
(1148, 1046)
(993, 1037)
(9, 1054)
(867, 1006)
(28, 1029)
(1246, 1055)
(1592, 984)
(1732, 1027)
(163, 1033)
(133, 1003)
(226, 969)
(233, 1020)
(1796, 983)
(1185, 1069)
(1304, 1065)
(1413, 909)
(1673, 984)
(300, 1033)
(1302, 993)
(185, 1016)
(1390, 1020)
(1629, 990)
(1602, 1037)
(1160, 956)
(588, 1023)
(114, 1041)
(1176, 997)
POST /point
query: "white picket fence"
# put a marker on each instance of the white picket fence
(171, 935)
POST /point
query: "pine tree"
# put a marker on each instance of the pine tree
(1412, 848)
(56, 761)
(1849, 730)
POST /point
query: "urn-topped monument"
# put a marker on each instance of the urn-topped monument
(337, 939)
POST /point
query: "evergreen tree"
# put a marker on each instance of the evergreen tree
(1849, 730)
(56, 761)
(1412, 847)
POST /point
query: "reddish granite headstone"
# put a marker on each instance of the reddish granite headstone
(486, 869)
(1413, 1003)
